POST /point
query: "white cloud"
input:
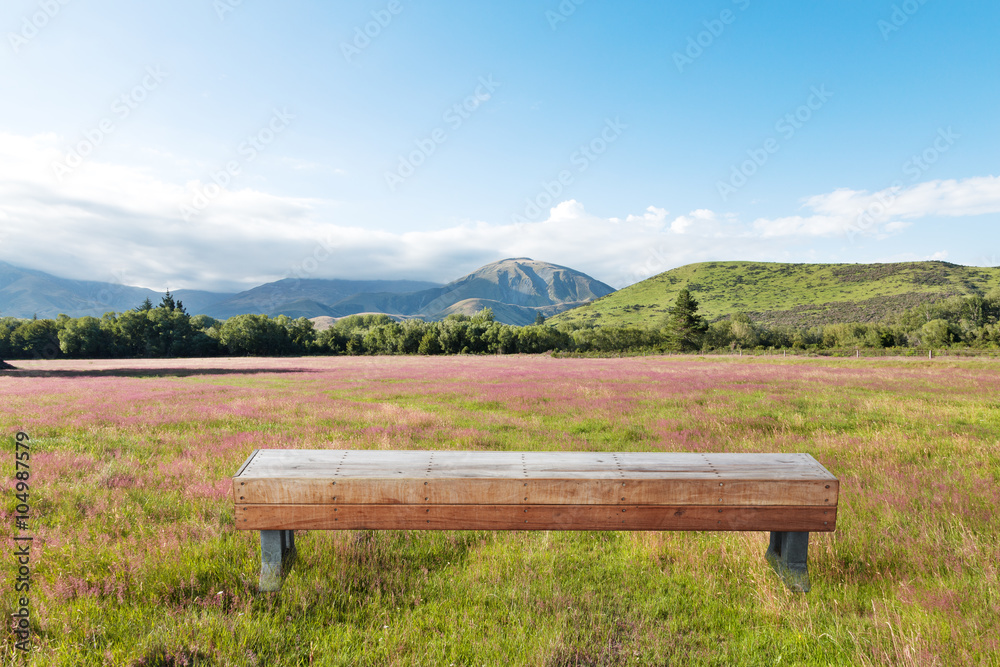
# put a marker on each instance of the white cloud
(845, 212)
(110, 222)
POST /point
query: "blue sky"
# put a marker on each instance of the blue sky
(219, 144)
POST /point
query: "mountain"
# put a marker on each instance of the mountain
(27, 292)
(517, 289)
(306, 297)
(788, 294)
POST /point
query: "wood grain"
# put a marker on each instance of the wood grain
(535, 491)
(534, 517)
(408, 464)
(556, 478)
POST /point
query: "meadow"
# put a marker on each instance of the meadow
(135, 559)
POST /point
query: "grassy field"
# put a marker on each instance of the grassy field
(136, 561)
(788, 294)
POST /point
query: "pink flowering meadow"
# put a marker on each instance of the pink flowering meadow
(133, 518)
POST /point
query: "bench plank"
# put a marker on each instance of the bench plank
(394, 464)
(533, 517)
(536, 491)
(393, 477)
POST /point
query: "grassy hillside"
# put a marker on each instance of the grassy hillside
(793, 294)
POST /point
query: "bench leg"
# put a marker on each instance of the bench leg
(277, 552)
(787, 555)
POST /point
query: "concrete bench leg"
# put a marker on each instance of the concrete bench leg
(277, 552)
(787, 555)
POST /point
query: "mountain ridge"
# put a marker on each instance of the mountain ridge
(524, 286)
(26, 292)
(518, 290)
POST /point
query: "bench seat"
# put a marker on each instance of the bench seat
(278, 491)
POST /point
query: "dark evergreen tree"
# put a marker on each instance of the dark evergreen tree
(684, 327)
(168, 302)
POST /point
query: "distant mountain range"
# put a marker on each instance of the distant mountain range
(516, 289)
(27, 292)
(789, 294)
(312, 297)
(520, 289)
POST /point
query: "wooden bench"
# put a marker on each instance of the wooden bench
(278, 491)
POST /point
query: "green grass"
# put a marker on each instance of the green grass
(136, 560)
(797, 294)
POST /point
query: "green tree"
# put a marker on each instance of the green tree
(35, 339)
(745, 333)
(484, 316)
(169, 333)
(7, 327)
(87, 338)
(430, 344)
(684, 327)
(168, 303)
(411, 333)
(255, 335)
(301, 331)
(130, 330)
(332, 341)
(938, 333)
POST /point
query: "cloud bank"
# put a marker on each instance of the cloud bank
(110, 222)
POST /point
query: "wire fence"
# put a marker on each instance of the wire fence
(838, 353)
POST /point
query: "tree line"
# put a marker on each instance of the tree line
(168, 330)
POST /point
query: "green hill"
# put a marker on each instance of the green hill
(788, 294)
